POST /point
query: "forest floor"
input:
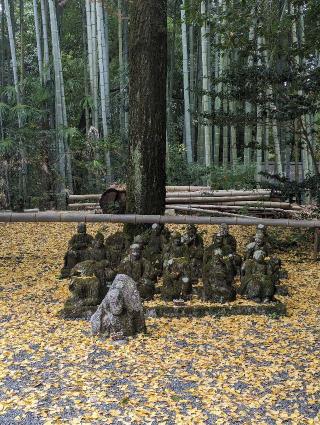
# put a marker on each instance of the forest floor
(232, 370)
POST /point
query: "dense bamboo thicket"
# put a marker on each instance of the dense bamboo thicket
(242, 98)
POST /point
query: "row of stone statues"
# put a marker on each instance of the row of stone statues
(180, 260)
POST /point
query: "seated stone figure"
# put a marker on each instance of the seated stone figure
(259, 241)
(228, 245)
(232, 261)
(140, 270)
(193, 244)
(176, 281)
(116, 246)
(78, 247)
(90, 281)
(153, 248)
(257, 280)
(97, 252)
(121, 311)
(175, 248)
(101, 269)
(218, 278)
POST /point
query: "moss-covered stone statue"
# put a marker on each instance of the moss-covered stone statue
(140, 270)
(228, 244)
(175, 248)
(193, 244)
(156, 240)
(97, 251)
(257, 280)
(116, 246)
(176, 280)
(259, 241)
(121, 311)
(90, 281)
(78, 249)
(218, 278)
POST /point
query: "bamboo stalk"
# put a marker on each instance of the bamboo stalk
(231, 207)
(213, 212)
(212, 199)
(78, 217)
(187, 115)
(38, 41)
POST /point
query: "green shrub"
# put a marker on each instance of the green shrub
(233, 177)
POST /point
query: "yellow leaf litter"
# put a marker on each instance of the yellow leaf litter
(232, 370)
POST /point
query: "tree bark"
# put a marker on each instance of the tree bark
(147, 99)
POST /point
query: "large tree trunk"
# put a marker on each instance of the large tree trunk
(147, 100)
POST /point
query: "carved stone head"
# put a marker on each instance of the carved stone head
(99, 240)
(191, 230)
(259, 256)
(223, 229)
(82, 228)
(135, 251)
(156, 229)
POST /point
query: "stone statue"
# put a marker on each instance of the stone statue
(259, 241)
(228, 245)
(98, 251)
(140, 270)
(257, 279)
(175, 248)
(218, 278)
(101, 269)
(176, 281)
(156, 241)
(193, 244)
(78, 248)
(121, 311)
(116, 246)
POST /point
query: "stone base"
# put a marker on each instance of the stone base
(162, 310)
(72, 312)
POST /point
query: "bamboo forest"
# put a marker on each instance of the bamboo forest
(159, 212)
(241, 95)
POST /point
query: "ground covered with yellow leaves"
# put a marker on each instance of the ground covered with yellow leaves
(232, 370)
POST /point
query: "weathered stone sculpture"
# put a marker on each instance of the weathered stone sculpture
(139, 269)
(257, 280)
(121, 311)
(228, 245)
(218, 278)
(78, 248)
(116, 245)
(153, 249)
(259, 241)
(175, 249)
(98, 251)
(193, 244)
(176, 280)
(90, 281)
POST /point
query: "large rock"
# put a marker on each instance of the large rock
(121, 311)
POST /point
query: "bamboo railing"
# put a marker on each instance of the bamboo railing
(77, 217)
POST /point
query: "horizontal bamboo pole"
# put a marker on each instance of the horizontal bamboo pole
(83, 205)
(92, 196)
(230, 208)
(213, 199)
(220, 193)
(210, 212)
(224, 207)
(78, 217)
(183, 191)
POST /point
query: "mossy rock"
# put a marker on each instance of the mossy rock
(71, 311)
(274, 309)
